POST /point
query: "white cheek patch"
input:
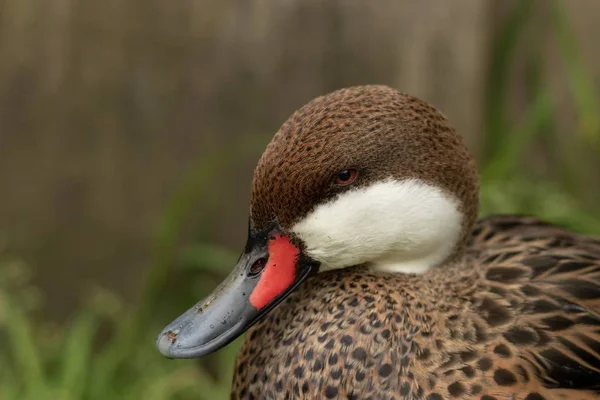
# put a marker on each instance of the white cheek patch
(403, 226)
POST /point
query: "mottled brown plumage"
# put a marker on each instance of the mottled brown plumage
(517, 319)
(513, 314)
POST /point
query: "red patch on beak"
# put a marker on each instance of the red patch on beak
(279, 273)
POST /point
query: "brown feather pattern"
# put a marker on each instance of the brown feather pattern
(519, 320)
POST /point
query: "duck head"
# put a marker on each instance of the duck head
(361, 176)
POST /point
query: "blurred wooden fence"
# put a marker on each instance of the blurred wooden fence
(104, 106)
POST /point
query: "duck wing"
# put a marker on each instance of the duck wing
(550, 277)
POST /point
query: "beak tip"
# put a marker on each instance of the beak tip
(176, 341)
(165, 342)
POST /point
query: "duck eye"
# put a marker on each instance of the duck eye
(346, 177)
(258, 266)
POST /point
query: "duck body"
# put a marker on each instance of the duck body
(519, 320)
(366, 274)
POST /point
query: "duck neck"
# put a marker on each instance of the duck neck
(419, 264)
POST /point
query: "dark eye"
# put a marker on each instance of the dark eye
(346, 177)
(258, 266)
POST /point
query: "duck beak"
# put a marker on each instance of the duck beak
(269, 270)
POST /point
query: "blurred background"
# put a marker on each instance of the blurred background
(129, 130)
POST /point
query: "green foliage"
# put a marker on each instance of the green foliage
(508, 185)
(106, 351)
(83, 361)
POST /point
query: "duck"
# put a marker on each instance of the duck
(367, 274)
